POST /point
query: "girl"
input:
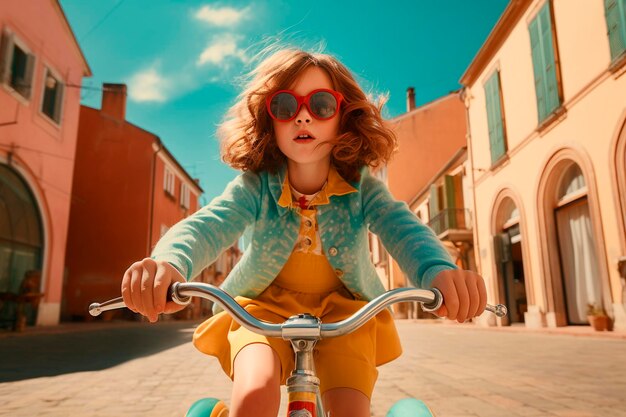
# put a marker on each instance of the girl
(304, 134)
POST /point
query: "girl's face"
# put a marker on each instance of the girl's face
(307, 151)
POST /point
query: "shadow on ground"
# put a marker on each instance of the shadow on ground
(38, 355)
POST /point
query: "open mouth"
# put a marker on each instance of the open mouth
(304, 138)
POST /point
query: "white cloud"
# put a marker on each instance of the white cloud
(221, 48)
(222, 16)
(148, 85)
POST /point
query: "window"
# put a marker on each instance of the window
(495, 119)
(510, 213)
(52, 96)
(615, 12)
(445, 205)
(16, 65)
(544, 63)
(184, 195)
(572, 183)
(168, 184)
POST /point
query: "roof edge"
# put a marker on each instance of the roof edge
(86, 69)
(424, 106)
(503, 27)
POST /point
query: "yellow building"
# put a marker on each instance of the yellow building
(546, 104)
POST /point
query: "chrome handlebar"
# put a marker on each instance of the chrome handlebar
(302, 326)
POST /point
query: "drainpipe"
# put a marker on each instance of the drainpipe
(158, 147)
(466, 97)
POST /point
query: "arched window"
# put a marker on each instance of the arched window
(572, 183)
(510, 213)
(20, 236)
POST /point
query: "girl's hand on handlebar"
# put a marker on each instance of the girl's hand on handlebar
(145, 285)
(464, 294)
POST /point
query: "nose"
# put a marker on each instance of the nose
(303, 115)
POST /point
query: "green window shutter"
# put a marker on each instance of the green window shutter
(494, 117)
(544, 63)
(500, 148)
(540, 89)
(547, 44)
(615, 12)
(433, 203)
(491, 124)
(450, 201)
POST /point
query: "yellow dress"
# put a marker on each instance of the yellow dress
(308, 284)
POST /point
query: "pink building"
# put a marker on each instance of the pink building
(41, 71)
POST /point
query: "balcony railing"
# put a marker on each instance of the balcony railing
(447, 219)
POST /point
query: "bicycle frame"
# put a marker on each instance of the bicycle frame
(302, 330)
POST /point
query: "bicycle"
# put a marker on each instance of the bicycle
(303, 331)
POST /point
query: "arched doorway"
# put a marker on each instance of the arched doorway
(580, 273)
(509, 260)
(21, 246)
(618, 169)
(570, 253)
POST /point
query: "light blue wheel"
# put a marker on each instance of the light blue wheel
(208, 407)
(410, 407)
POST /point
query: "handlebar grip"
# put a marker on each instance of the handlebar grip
(95, 309)
(499, 310)
(436, 304)
(174, 295)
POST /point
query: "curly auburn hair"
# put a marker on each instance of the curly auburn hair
(247, 133)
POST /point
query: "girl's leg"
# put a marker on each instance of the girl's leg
(346, 402)
(256, 382)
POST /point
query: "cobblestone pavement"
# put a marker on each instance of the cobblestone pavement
(138, 369)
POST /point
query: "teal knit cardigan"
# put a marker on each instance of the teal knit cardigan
(249, 205)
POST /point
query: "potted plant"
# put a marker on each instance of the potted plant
(597, 317)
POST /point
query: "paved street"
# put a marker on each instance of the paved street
(138, 369)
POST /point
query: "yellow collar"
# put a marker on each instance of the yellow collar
(336, 185)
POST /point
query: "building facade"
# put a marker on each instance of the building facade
(427, 173)
(41, 71)
(128, 191)
(546, 103)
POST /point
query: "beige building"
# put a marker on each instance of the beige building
(546, 103)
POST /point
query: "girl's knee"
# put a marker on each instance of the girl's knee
(258, 364)
(256, 382)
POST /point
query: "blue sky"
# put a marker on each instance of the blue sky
(181, 58)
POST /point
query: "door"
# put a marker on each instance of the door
(579, 264)
(511, 271)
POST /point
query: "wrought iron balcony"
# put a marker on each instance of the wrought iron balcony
(452, 219)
